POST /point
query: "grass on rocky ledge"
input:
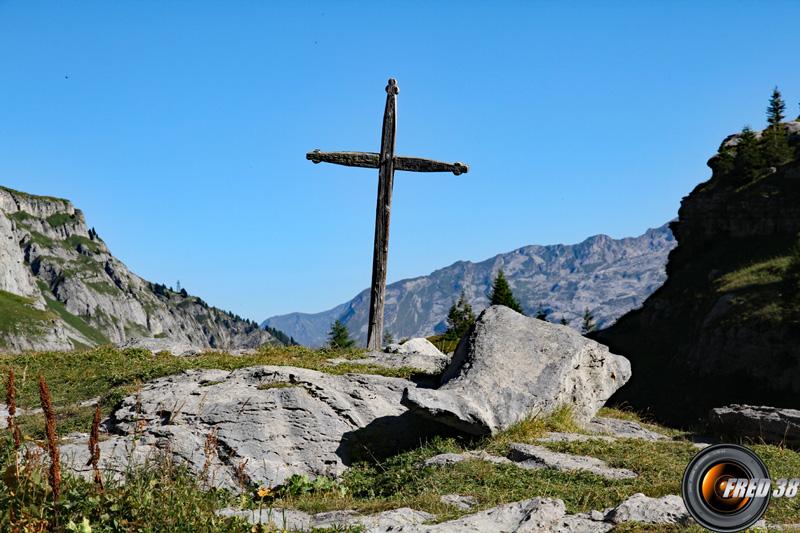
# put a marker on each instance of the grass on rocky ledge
(110, 374)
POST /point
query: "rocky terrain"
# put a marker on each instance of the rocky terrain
(722, 328)
(60, 288)
(278, 421)
(608, 276)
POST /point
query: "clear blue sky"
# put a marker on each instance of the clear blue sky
(180, 128)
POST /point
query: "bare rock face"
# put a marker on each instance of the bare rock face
(511, 367)
(770, 424)
(269, 422)
(85, 296)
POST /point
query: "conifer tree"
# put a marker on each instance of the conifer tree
(388, 338)
(460, 318)
(776, 144)
(748, 159)
(563, 321)
(588, 325)
(502, 295)
(339, 336)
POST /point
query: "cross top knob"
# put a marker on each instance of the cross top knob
(392, 88)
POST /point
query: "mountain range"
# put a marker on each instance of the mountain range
(605, 275)
(61, 289)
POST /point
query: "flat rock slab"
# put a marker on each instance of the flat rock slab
(293, 520)
(269, 421)
(464, 503)
(770, 424)
(534, 457)
(557, 436)
(622, 429)
(444, 459)
(424, 364)
(537, 514)
(641, 508)
(510, 367)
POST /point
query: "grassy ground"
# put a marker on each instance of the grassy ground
(17, 315)
(163, 497)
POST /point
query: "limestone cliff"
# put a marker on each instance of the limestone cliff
(721, 330)
(60, 288)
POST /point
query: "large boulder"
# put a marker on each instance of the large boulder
(258, 425)
(157, 344)
(762, 423)
(510, 367)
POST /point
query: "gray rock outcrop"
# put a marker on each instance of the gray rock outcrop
(770, 424)
(269, 423)
(510, 367)
(418, 354)
(608, 276)
(641, 508)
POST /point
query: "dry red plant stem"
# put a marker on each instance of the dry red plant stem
(94, 448)
(11, 402)
(52, 438)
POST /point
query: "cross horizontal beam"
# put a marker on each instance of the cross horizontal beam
(372, 160)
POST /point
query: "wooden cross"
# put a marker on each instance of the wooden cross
(386, 163)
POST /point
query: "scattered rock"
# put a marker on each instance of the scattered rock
(175, 347)
(622, 429)
(424, 363)
(276, 421)
(641, 508)
(580, 524)
(770, 424)
(557, 436)
(533, 457)
(293, 520)
(445, 459)
(512, 367)
(465, 503)
(537, 514)
(419, 346)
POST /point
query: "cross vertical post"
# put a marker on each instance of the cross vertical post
(386, 163)
(383, 212)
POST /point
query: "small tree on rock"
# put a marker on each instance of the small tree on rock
(459, 319)
(502, 295)
(542, 313)
(339, 336)
(588, 324)
(776, 144)
(748, 161)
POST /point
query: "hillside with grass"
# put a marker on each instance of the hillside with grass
(61, 288)
(725, 326)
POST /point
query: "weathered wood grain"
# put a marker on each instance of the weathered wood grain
(370, 160)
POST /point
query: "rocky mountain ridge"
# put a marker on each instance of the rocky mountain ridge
(61, 288)
(608, 276)
(721, 329)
